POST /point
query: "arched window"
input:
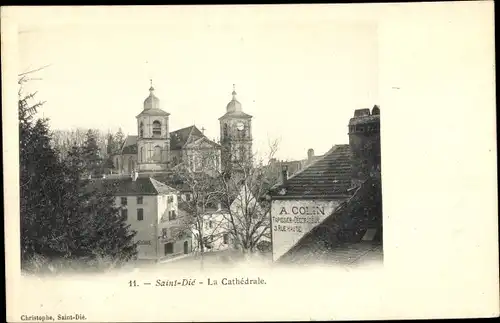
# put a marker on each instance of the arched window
(156, 128)
(141, 156)
(141, 130)
(225, 131)
(157, 154)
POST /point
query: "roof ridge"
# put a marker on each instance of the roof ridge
(182, 128)
(189, 136)
(334, 148)
(206, 139)
(157, 183)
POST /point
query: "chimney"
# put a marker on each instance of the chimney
(310, 155)
(134, 175)
(284, 174)
(364, 142)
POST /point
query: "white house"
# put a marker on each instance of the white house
(151, 209)
(218, 227)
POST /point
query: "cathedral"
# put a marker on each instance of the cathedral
(156, 148)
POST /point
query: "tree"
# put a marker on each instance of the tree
(63, 140)
(119, 139)
(60, 217)
(91, 153)
(203, 200)
(242, 191)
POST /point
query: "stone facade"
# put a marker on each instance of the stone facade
(236, 134)
(151, 209)
(157, 149)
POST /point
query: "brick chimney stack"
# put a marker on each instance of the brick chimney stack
(310, 155)
(284, 174)
(364, 141)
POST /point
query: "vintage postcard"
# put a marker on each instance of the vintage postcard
(249, 162)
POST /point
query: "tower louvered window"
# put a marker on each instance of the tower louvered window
(156, 128)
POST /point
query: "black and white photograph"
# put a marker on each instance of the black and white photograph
(176, 152)
(154, 156)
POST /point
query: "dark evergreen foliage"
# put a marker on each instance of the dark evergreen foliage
(60, 218)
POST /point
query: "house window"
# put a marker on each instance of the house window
(210, 224)
(170, 199)
(125, 214)
(140, 214)
(188, 197)
(139, 200)
(169, 248)
(225, 237)
(141, 157)
(172, 215)
(124, 201)
(157, 154)
(164, 233)
(156, 128)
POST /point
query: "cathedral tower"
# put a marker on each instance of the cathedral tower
(235, 134)
(153, 140)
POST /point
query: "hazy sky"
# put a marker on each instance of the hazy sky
(299, 76)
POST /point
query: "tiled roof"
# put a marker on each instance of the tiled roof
(351, 254)
(293, 165)
(179, 137)
(361, 212)
(126, 186)
(169, 178)
(327, 177)
(162, 188)
(130, 145)
(236, 114)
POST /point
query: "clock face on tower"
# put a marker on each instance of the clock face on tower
(240, 126)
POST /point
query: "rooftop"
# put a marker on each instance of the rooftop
(327, 177)
(126, 186)
(361, 213)
(178, 139)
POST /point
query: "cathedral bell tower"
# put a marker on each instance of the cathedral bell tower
(235, 134)
(153, 140)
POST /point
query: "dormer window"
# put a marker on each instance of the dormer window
(156, 128)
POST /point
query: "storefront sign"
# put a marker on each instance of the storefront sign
(291, 220)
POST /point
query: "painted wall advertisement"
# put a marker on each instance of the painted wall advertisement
(291, 220)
